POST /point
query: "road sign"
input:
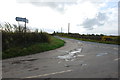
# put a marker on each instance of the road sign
(21, 19)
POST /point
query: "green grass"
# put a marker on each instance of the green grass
(32, 49)
(106, 42)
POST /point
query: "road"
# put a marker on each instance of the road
(77, 59)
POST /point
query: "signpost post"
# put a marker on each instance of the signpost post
(22, 20)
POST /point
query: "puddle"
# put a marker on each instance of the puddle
(71, 55)
(101, 54)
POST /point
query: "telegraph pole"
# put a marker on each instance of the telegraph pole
(68, 28)
(61, 29)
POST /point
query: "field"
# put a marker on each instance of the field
(92, 37)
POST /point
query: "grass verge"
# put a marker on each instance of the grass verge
(106, 42)
(32, 49)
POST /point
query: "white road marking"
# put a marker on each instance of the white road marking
(116, 59)
(49, 74)
(80, 55)
(115, 48)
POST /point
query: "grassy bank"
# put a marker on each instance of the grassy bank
(106, 42)
(32, 49)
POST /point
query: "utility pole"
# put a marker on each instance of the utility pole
(61, 29)
(68, 28)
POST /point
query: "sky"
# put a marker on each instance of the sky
(84, 16)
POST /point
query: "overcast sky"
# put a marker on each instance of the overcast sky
(84, 16)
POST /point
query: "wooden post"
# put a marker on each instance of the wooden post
(25, 25)
(18, 25)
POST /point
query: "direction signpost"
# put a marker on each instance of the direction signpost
(22, 20)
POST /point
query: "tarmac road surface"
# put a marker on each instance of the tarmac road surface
(77, 59)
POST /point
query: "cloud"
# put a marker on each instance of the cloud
(101, 16)
(99, 20)
(58, 6)
(55, 5)
(88, 15)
